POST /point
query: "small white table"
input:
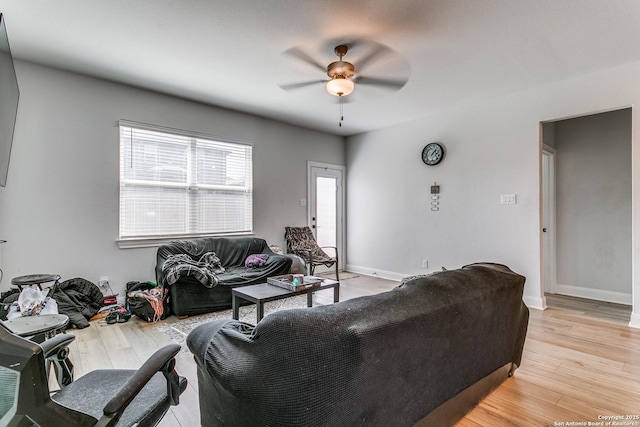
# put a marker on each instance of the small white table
(38, 328)
(35, 279)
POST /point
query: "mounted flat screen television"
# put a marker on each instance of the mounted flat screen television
(9, 95)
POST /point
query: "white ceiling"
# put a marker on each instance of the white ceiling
(230, 53)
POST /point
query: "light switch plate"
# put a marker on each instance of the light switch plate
(508, 199)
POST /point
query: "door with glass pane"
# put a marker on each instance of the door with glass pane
(326, 205)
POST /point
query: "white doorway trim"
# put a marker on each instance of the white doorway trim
(549, 219)
(335, 170)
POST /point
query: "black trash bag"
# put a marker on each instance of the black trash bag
(147, 301)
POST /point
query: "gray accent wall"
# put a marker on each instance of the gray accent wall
(59, 210)
(593, 206)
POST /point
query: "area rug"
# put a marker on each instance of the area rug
(344, 275)
(177, 331)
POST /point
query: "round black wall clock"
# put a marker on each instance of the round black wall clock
(433, 153)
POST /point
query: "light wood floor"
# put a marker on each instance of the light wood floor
(580, 361)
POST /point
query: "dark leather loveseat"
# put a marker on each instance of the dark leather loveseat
(188, 296)
(422, 354)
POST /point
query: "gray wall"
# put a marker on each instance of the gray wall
(59, 211)
(493, 148)
(593, 206)
(549, 134)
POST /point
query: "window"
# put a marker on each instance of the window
(182, 184)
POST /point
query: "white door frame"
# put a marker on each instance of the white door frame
(341, 203)
(548, 232)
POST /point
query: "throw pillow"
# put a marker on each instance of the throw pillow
(255, 261)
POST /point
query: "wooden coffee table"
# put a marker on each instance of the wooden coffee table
(259, 294)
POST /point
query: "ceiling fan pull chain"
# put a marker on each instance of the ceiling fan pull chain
(341, 112)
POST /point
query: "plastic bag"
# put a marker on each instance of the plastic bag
(50, 306)
(31, 301)
(14, 311)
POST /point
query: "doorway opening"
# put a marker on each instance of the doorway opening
(587, 207)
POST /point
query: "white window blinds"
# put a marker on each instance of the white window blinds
(175, 184)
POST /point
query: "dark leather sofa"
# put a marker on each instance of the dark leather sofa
(422, 354)
(189, 297)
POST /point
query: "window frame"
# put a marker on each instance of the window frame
(191, 186)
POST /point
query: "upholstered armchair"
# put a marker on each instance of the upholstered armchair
(301, 242)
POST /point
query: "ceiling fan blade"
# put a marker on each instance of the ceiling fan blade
(396, 84)
(299, 54)
(379, 52)
(293, 86)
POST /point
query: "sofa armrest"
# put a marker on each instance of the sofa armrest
(200, 338)
(298, 265)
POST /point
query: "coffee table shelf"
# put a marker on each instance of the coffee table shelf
(264, 292)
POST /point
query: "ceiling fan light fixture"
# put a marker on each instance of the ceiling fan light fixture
(340, 86)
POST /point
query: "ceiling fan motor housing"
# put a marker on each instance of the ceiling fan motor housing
(341, 68)
(340, 73)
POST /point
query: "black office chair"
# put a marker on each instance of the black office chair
(56, 354)
(111, 397)
(301, 242)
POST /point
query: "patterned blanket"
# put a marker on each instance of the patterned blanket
(204, 270)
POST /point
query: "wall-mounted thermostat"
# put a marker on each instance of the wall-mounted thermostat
(435, 197)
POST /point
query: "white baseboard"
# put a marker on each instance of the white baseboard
(596, 294)
(538, 303)
(635, 320)
(391, 275)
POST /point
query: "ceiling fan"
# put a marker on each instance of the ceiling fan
(344, 75)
